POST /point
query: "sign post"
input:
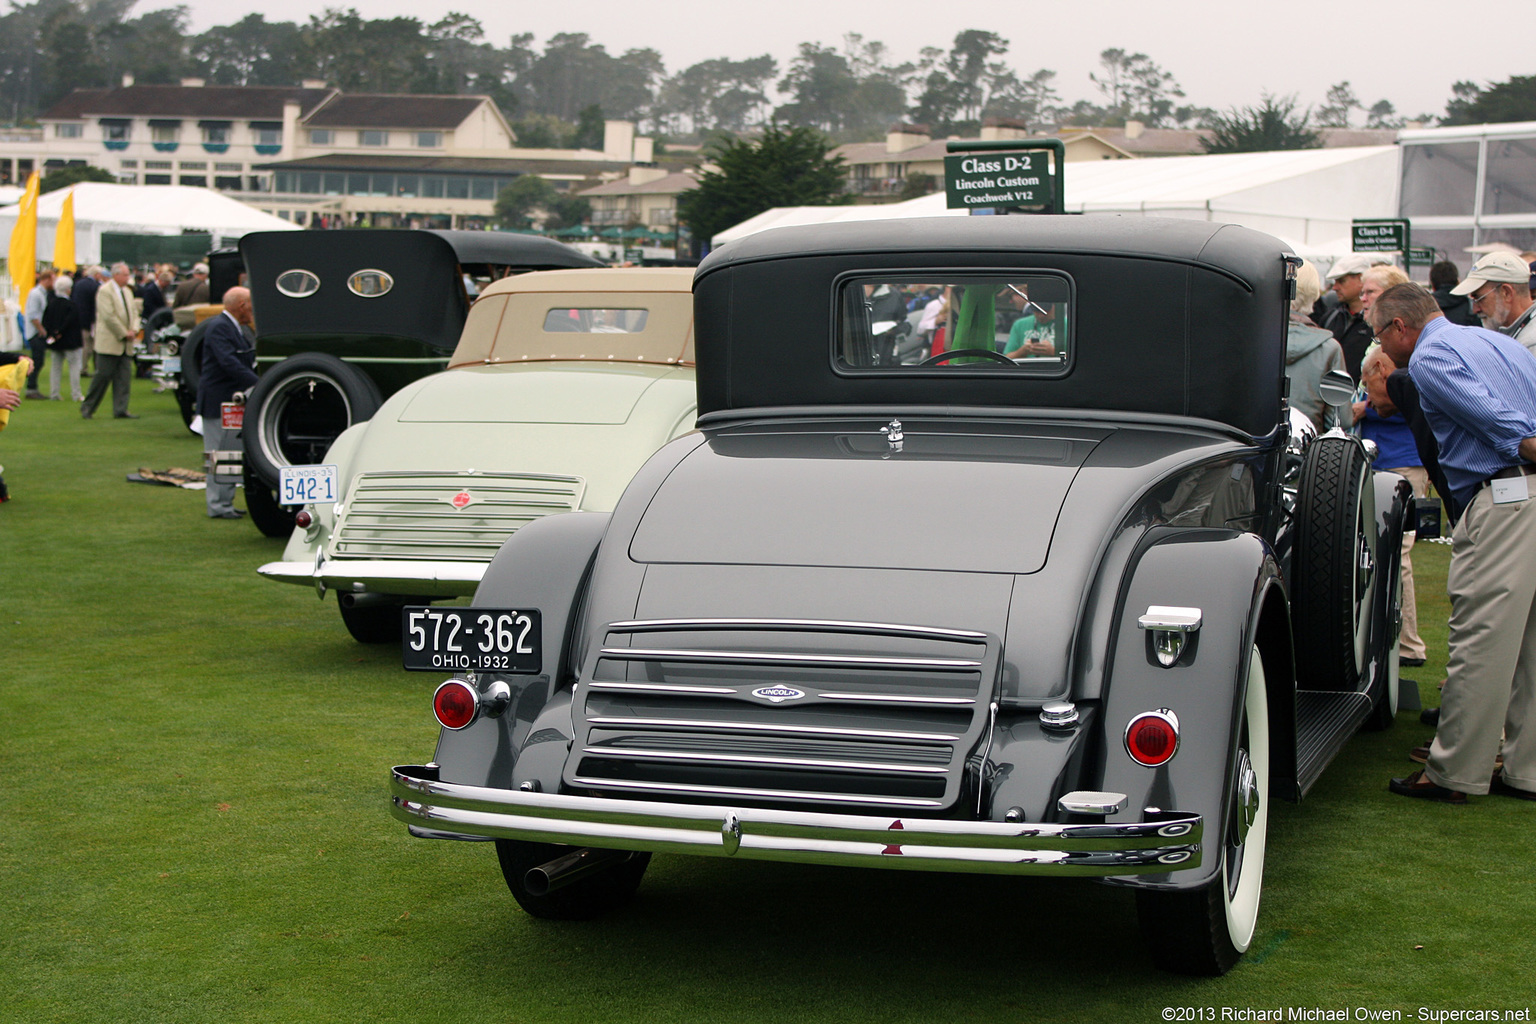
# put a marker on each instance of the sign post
(1005, 175)
(1381, 235)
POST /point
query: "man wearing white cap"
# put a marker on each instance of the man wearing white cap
(1500, 288)
(1348, 320)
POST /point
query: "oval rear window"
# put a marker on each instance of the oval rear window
(370, 284)
(297, 284)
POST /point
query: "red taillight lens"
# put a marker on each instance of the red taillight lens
(455, 704)
(1153, 738)
(302, 520)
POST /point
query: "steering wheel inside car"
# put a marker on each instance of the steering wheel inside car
(951, 354)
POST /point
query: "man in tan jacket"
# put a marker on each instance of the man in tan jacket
(117, 331)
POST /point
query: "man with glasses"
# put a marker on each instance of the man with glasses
(1500, 287)
(1477, 389)
(1347, 321)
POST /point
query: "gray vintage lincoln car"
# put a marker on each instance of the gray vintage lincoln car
(1046, 579)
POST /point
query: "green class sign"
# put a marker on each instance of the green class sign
(1002, 175)
(1380, 235)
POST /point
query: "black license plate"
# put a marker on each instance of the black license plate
(471, 639)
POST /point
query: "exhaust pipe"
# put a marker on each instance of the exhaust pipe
(574, 866)
(367, 599)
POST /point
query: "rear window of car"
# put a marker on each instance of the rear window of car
(585, 319)
(945, 322)
(647, 327)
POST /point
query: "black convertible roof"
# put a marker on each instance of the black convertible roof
(505, 248)
(1246, 254)
(1175, 317)
(428, 301)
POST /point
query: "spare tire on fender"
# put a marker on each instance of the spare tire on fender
(1333, 564)
(298, 407)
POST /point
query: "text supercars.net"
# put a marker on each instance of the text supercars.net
(1350, 1013)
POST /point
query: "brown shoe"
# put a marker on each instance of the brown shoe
(1418, 785)
(1499, 787)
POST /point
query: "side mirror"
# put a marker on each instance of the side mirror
(1337, 387)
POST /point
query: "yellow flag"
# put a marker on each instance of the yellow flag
(64, 241)
(23, 252)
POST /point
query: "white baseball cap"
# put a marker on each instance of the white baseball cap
(1495, 268)
(1354, 263)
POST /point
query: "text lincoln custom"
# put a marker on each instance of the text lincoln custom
(1041, 579)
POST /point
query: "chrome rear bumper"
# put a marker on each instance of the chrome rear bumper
(382, 575)
(449, 810)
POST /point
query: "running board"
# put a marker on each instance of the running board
(1325, 720)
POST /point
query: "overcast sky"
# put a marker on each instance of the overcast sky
(1223, 54)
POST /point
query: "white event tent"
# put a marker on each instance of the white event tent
(141, 210)
(1306, 197)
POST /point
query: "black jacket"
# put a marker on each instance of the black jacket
(84, 298)
(229, 365)
(1457, 308)
(1353, 335)
(153, 298)
(1405, 395)
(61, 322)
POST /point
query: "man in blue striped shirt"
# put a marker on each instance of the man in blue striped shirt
(1477, 388)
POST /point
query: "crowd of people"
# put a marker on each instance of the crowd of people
(1447, 379)
(69, 318)
(88, 324)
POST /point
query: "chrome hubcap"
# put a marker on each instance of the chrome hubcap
(1247, 809)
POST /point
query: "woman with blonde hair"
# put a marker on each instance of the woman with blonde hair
(1377, 280)
(1311, 352)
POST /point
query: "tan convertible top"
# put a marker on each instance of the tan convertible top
(631, 314)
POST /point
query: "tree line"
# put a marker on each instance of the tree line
(558, 94)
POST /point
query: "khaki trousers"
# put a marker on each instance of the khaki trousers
(1491, 677)
(1409, 644)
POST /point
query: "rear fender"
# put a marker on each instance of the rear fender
(544, 565)
(1226, 574)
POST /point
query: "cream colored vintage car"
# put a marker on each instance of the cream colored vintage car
(562, 385)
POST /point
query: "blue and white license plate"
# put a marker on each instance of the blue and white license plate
(306, 485)
(471, 639)
(170, 364)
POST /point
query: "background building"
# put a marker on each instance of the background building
(645, 196)
(309, 153)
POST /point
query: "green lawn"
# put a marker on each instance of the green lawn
(195, 828)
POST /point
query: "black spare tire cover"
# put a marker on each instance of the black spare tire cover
(1333, 565)
(298, 407)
